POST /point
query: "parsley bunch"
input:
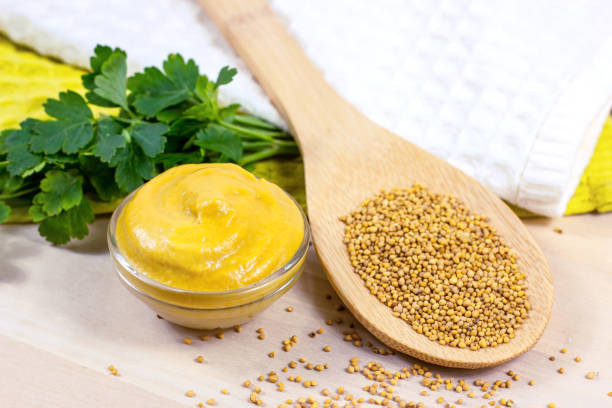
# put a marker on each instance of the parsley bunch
(164, 117)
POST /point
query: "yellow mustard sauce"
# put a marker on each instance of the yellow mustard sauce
(209, 227)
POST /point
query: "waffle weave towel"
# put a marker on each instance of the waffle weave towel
(514, 93)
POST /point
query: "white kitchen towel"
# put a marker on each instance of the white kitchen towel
(512, 92)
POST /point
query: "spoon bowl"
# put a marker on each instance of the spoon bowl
(348, 159)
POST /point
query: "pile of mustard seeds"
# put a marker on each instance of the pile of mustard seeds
(438, 266)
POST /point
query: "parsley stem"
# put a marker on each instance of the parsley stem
(127, 120)
(19, 193)
(4, 163)
(266, 153)
(257, 145)
(259, 134)
(253, 121)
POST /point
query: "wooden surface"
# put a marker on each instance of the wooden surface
(66, 317)
(348, 159)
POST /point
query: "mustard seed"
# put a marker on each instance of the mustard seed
(190, 393)
(187, 340)
(417, 252)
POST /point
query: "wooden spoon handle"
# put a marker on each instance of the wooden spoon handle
(295, 86)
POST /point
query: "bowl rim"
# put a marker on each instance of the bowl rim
(118, 256)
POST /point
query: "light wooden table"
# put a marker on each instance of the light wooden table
(64, 318)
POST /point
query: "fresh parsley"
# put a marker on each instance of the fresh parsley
(163, 118)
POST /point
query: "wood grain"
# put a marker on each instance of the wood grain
(34, 378)
(347, 159)
(68, 302)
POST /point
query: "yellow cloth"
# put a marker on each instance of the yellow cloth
(594, 193)
(28, 79)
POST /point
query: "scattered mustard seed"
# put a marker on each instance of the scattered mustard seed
(190, 393)
(558, 230)
(563, 351)
(577, 359)
(204, 337)
(199, 359)
(187, 340)
(561, 370)
(590, 375)
(289, 309)
(220, 335)
(238, 329)
(327, 349)
(531, 382)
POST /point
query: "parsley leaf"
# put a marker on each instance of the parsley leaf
(109, 138)
(182, 75)
(72, 131)
(19, 157)
(133, 168)
(149, 137)
(59, 229)
(110, 84)
(203, 112)
(169, 160)
(225, 76)
(206, 90)
(5, 211)
(222, 140)
(153, 91)
(101, 54)
(101, 177)
(60, 190)
(70, 106)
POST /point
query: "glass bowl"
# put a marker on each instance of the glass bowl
(207, 310)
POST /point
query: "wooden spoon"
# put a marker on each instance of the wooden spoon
(347, 159)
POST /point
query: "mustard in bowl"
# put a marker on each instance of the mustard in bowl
(208, 245)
